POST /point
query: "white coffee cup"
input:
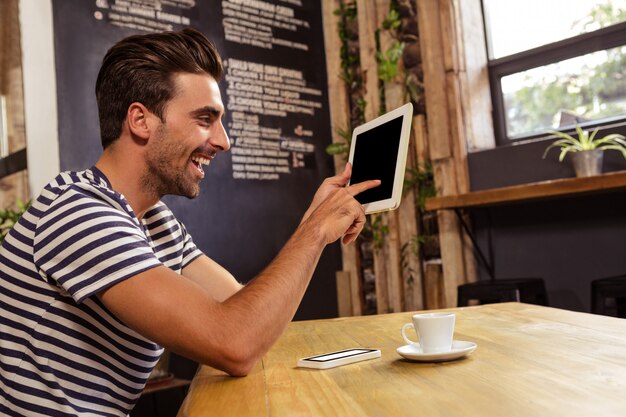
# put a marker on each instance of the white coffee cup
(434, 330)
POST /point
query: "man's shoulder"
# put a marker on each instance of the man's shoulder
(86, 179)
(88, 186)
(159, 213)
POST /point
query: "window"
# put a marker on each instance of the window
(554, 64)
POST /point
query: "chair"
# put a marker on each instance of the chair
(526, 290)
(608, 296)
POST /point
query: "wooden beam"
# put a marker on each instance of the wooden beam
(344, 293)
(383, 305)
(431, 45)
(476, 91)
(613, 181)
(442, 54)
(14, 185)
(368, 19)
(13, 163)
(340, 119)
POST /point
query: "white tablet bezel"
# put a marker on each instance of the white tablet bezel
(406, 111)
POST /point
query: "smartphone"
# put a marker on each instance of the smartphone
(342, 357)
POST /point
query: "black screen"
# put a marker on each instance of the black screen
(339, 355)
(375, 158)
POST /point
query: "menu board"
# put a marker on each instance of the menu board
(274, 93)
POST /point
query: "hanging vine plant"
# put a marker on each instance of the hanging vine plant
(402, 52)
(352, 76)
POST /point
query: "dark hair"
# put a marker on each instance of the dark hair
(139, 68)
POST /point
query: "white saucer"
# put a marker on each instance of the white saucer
(414, 352)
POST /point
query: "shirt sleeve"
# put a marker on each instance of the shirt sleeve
(190, 250)
(85, 245)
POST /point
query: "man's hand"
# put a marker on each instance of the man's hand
(335, 210)
(330, 184)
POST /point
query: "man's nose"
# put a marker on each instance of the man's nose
(220, 139)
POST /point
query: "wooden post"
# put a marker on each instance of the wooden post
(433, 280)
(340, 119)
(369, 20)
(14, 187)
(394, 279)
(442, 52)
(394, 97)
(344, 293)
(421, 156)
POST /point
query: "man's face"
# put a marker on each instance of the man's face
(190, 136)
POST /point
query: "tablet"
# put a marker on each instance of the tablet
(378, 151)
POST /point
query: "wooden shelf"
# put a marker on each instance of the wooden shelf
(13, 163)
(161, 385)
(528, 192)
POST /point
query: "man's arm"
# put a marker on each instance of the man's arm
(215, 279)
(235, 333)
(220, 283)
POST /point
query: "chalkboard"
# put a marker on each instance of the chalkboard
(277, 117)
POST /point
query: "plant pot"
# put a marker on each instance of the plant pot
(587, 163)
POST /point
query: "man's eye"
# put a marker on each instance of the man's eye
(205, 120)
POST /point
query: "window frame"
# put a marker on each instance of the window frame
(605, 38)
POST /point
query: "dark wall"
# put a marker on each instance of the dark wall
(567, 241)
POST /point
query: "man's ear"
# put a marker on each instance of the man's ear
(137, 118)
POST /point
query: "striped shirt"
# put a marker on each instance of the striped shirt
(62, 353)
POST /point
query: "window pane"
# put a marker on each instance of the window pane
(589, 87)
(514, 26)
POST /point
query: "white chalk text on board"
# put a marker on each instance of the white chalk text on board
(147, 16)
(257, 90)
(253, 23)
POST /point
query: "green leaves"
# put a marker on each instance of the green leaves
(377, 227)
(347, 13)
(423, 180)
(388, 62)
(8, 217)
(341, 148)
(338, 149)
(392, 21)
(586, 142)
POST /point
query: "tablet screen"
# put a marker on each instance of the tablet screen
(375, 157)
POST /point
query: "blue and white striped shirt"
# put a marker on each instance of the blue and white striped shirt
(62, 353)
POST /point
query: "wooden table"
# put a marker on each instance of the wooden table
(530, 361)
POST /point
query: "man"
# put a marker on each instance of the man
(98, 275)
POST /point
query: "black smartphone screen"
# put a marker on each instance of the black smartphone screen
(338, 355)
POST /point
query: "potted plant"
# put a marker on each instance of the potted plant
(586, 150)
(8, 218)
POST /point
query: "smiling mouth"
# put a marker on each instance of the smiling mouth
(199, 161)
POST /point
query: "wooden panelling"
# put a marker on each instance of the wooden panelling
(340, 119)
(368, 21)
(14, 187)
(451, 75)
(431, 42)
(344, 294)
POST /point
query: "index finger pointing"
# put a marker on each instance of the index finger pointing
(358, 188)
